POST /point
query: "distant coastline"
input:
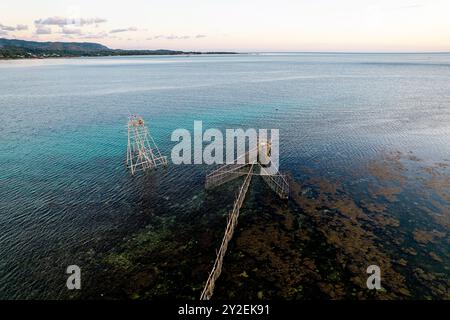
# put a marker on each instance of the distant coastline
(13, 49)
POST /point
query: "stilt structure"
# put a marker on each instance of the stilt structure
(142, 153)
(276, 181)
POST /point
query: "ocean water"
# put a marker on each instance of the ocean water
(64, 188)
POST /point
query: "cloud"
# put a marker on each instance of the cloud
(66, 30)
(73, 33)
(92, 21)
(95, 35)
(63, 21)
(43, 30)
(123, 30)
(6, 28)
(58, 21)
(21, 27)
(172, 37)
(175, 37)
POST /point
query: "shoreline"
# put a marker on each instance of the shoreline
(125, 55)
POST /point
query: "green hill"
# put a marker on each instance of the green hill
(53, 46)
(22, 49)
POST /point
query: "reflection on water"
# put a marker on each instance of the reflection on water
(364, 137)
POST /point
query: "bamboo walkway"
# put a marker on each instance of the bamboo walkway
(231, 224)
(242, 167)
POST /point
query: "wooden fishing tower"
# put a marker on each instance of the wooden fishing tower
(276, 181)
(142, 153)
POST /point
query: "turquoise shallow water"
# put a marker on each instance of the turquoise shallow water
(63, 183)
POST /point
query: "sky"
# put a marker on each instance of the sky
(235, 25)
